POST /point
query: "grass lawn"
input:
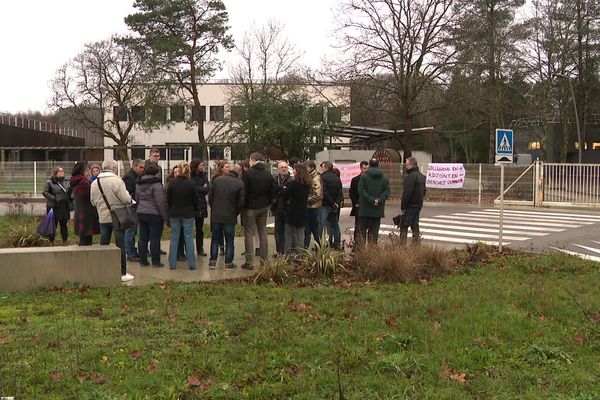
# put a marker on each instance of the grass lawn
(522, 327)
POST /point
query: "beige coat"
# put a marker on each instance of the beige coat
(315, 197)
(115, 191)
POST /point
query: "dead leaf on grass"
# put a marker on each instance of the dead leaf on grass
(437, 325)
(390, 321)
(4, 340)
(461, 378)
(56, 376)
(162, 285)
(135, 354)
(125, 306)
(151, 313)
(450, 374)
(193, 380)
(153, 366)
(100, 380)
(301, 307)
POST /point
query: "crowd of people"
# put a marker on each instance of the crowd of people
(302, 201)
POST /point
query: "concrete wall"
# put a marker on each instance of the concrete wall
(34, 267)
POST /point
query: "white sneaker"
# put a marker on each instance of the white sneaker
(127, 277)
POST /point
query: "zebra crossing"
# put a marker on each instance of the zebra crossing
(583, 251)
(483, 226)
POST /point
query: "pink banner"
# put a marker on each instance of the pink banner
(347, 172)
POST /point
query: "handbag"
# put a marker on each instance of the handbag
(122, 217)
(403, 221)
(46, 228)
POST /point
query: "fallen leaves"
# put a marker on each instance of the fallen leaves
(135, 354)
(93, 377)
(195, 381)
(300, 307)
(56, 376)
(4, 341)
(453, 375)
(390, 321)
(437, 325)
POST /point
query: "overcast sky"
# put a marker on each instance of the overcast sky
(38, 36)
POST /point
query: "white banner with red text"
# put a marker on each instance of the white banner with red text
(445, 176)
(347, 172)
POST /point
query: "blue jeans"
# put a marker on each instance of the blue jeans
(314, 225)
(218, 231)
(188, 237)
(331, 218)
(151, 229)
(106, 231)
(130, 233)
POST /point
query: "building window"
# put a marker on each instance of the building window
(534, 145)
(138, 152)
(138, 113)
(119, 113)
(195, 113)
(585, 146)
(315, 114)
(159, 113)
(216, 152)
(334, 115)
(595, 146)
(217, 113)
(177, 154)
(238, 113)
(177, 113)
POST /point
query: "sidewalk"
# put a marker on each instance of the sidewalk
(148, 275)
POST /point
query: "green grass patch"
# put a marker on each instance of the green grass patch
(517, 327)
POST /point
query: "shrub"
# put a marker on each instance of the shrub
(321, 261)
(24, 235)
(274, 270)
(391, 262)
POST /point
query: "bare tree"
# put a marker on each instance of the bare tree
(269, 103)
(106, 88)
(400, 49)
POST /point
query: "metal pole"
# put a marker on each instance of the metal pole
(34, 178)
(501, 222)
(576, 120)
(479, 201)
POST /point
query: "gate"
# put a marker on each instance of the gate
(562, 185)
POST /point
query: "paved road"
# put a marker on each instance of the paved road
(572, 231)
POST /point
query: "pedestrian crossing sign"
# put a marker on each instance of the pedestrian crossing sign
(504, 142)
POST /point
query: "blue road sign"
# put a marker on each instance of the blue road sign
(504, 141)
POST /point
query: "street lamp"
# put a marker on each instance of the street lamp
(576, 115)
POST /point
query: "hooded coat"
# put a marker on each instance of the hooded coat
(372, 185)
(150, 196)
(85, 216)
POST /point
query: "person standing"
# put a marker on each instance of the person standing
(354, 197)
(152, 214)
(182, 201)
(86, 223)
(154, 157)
(95, 171)
(314, 224)
(332, 196)
(259, 190)
(109, 189)
(131, 179)
(278, 207)
(413, 194)
(296, 200)
(202, 184)
(226, 199)
(57, 194)
(373, 190)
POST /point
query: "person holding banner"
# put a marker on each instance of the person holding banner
(412, 201)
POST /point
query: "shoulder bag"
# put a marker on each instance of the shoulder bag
(122, 217)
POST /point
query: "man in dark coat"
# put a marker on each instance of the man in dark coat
(259, 189)
(131, 179)
(354, 197)
(226, 199)
(373, 191)
(278, 207)
(332, 197)
(202, 183)
(412, 201)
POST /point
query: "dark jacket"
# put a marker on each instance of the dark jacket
(259, 187)
(85, 215)
(354, 197)
(58, 195)
(278, 206)
(332, 189)
(182, 198)
(296, 196)
(150, 197)
(131, 179)
(414, 190)
(226, 199)
(373, 185)
(202, 184)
